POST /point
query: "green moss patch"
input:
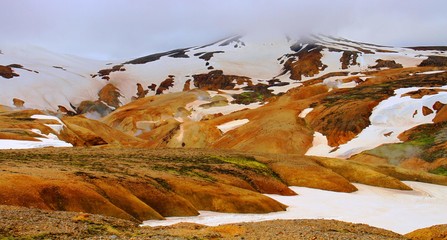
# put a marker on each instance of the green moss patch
(442, 170)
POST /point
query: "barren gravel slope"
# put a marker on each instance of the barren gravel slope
(25, 223)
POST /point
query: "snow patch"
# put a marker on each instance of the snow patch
(390, 118)
(304, 113)
(232, 125)
(320, 146)
(430, 72)
(197, 112)
(48, 136)
(46, 117)
(56, 127)
(47, 140)
(395, 210)
(22, 144)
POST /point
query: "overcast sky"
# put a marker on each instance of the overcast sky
(110, 29)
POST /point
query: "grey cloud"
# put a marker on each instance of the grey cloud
(129, 28)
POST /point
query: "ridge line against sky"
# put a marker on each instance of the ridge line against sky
(117, 29)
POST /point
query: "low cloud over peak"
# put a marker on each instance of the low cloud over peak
(110, 29)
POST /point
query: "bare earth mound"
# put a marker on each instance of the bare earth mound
(25, 223)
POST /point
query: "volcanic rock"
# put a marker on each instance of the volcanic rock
(386, 64)
(348, 58)
(426, 111)
(7, 72)
(165, 85)
(216, 80)
(434, 61)
(308, 64)
(18, 103)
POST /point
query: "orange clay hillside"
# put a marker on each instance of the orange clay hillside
(139, 184)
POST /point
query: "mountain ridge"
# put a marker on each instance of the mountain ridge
(318, 78)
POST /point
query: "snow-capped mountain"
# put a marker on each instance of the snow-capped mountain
(64, 80)
(318, 95)
(44, 79)
(260, 59)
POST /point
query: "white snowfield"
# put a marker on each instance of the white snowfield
(49, 79)
(256, 59)
(395, 210)
(197, 112)
(22, 144)
(56, 127)
(390, 118)
(430, 72)
(304, 113)
(228, 126)
(320, 146)
(47, 140)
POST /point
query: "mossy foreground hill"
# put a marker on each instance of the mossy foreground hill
(142, 184)
(138, 184)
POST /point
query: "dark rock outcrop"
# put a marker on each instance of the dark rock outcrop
(104, 73)
(187, 85)
(386, 64)
(429, 48)
(306, 62)
(434, 61)
(7, 72)
(348, 58)
(426, 111)
(152, 87)
(141, 92)
(165, 85)
(64, 110)
(207, 55)
(19, 103)
(438, 105)
(177, 53)
(216, 79)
